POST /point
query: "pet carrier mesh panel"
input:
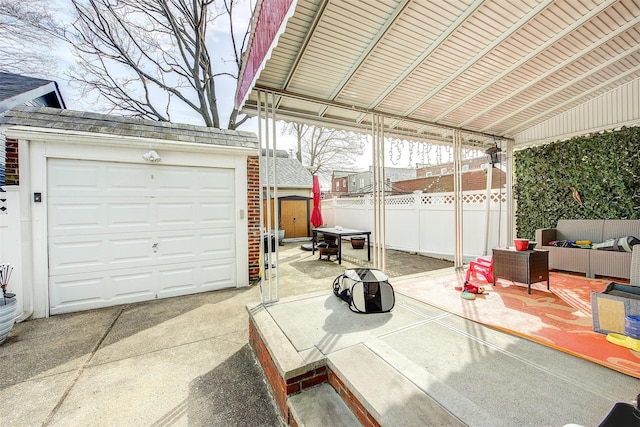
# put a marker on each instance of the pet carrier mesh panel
(366, 290)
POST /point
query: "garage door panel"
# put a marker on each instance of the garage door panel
(129, 215)
(125, 285)
(218, 276)
(179, 213)
(88, 218)
(198, 278)
(125, 179)
(67, 176)
(127, 251)
(120, 233)
(217, 182)
(219, 214)
(75, 256)
(93, 290)
(91, 215)
(110, 215)
(86, 290)
(204, 247)
(219, 245)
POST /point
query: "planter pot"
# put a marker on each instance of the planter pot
(357, 242)
(7, 316)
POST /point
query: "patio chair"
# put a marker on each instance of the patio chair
(634, 277)
(481, 266)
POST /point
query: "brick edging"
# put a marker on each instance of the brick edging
(282, 388)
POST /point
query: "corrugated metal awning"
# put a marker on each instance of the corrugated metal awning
(491, 68)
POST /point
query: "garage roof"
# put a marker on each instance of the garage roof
(81, 121)
(492, 68)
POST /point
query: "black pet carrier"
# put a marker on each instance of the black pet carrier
(366, 290)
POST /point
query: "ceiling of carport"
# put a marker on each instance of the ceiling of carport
(491, 68)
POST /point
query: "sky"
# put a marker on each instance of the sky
(225, 88)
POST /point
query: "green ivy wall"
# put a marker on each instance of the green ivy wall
(604, 169)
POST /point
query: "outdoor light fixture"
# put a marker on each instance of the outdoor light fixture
(493, 154)
(151, 156)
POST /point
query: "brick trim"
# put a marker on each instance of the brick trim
(253, 216)
(282, 388)
(12, 168)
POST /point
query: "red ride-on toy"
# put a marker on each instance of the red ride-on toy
(481, 266)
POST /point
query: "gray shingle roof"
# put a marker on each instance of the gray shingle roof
(16, 89)
(291, 173)
(53, 118)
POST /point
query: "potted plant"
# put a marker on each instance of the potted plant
(8, 303)
(357, 242)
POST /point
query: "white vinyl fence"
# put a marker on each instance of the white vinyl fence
(425, 222)
(11, 247)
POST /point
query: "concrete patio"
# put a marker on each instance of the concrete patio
(186, 361)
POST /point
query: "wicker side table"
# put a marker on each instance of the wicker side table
(521, 266)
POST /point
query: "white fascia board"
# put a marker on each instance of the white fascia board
(103, 139)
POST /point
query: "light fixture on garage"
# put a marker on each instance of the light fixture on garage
(151, 156)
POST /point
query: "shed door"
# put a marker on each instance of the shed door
(295, 217)
(121, 233)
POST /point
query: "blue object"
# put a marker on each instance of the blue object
(632, 326)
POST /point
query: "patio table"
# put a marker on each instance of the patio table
(339, 233)
(521, 266)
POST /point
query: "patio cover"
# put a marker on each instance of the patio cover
(465, 73)
(486, 67)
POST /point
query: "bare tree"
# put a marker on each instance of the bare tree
(28, 31)
(323, 150)
(151, 58)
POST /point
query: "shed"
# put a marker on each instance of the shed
(294, 193)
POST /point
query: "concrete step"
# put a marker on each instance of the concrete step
(320, 406)
(372, 386)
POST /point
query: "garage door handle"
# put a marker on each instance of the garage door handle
(155, 247)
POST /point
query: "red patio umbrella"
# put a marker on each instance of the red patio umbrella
(316, 214)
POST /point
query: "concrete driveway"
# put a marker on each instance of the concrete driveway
(179, 361)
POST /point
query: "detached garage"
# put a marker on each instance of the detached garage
(124, 210)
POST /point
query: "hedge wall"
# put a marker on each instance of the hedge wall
(604, 168)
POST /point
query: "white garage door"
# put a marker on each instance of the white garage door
(122, 233)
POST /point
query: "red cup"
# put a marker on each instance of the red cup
(521, 244)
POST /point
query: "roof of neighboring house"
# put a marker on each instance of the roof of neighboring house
(337, 174)
(16, 89)
(291, 173)
(471, 181)
(78, 121)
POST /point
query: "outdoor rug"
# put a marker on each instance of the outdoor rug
(559, 318)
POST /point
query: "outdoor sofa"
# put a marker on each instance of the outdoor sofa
(591, 262)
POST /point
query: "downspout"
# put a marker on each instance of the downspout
(487, 212)
(511, 213)
(26, 232)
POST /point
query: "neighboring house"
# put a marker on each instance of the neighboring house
(340, 183)
(22, 90)
(447, 168)
(294, 193)
(362, 182)
(117, 210)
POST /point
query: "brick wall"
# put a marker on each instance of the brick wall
(253, 216)
(352, 402)
(280, 387)
(11, 167)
